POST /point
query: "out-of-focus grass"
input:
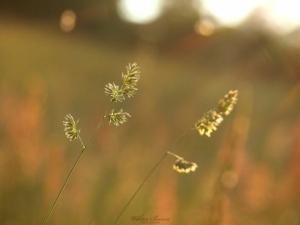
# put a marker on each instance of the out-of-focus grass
(248, 170)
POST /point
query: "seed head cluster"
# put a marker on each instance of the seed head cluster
(213, 118)
(118, 117)
(128, 88)
(183, 166)
(70, 128)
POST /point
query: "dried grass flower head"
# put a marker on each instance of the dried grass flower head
(118, 117)
(129, 91)
(114, 92)
(183, 166)
(128, 88)
(70, 128)
(227, 103)
(211, 119)
(208, 123)
(132, 75)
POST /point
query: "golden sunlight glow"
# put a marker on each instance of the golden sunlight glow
(139, 11)
(285, 15)
(281, 15)
(229, 12)
(67, 20)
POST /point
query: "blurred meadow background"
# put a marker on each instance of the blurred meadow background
(56, 58)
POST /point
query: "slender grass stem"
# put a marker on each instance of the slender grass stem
(80, 140)
(70, 173)
(100, 123)
(173, 154)
(63, 187)
(149, 174)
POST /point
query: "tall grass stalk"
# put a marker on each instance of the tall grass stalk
(205, 126)
(84, 146)
(151, 171)
(128, 88)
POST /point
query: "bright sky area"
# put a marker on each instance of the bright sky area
(282, 16)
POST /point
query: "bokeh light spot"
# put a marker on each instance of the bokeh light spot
(67, 20)
(204, 27)
(139, 11)
(229, 179)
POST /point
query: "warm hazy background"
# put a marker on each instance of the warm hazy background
(54, 62)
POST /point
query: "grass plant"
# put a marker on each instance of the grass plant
(127, 89)
(206, 125)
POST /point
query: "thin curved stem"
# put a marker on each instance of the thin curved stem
(70, 173)
(63, 187)
(97, 128)
(173, 154)
(80, 140)
(149, 174)
(137, 190)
